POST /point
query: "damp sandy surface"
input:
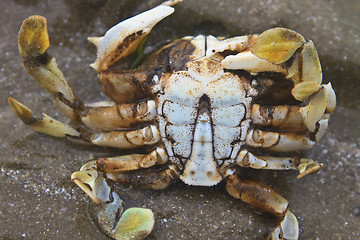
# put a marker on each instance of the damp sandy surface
(38, 199)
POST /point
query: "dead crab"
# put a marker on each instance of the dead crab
(206, 105)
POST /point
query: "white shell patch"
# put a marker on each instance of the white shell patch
(176, 113)
(180, 133)
(223, 137)
(226, 91)
(201, 168)
(229, 116)
(183, 89)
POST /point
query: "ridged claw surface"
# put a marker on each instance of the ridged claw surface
(124, 38)
(303, 90)
(288, 229)
(33, 45)
(33, 37)
(314, 111)
(277, 45)
(134, 223)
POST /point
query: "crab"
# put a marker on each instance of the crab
(204, 107)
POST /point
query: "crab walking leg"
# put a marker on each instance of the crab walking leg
(119, 116)
(265, 199)
(320, 103)
(281, 117)
(303, 165)
(132, 162)
(124, 38)
(291, 118)
(153, 179)
(89, 172)
(120, 139)
(286, 142)
(33, 45)
(278, 142)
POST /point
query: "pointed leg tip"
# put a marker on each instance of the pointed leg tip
(95, 66)
(94, 40)
(171, 2)
(21, 111)
(46, 125)
(308, 168)
(33, 37)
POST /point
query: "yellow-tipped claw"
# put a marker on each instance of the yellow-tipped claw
(135, 223)
(277, 45)
(311, 68)
(86, 181)
(21, 111)
(33, 45)
(46, 125)
(314, 111)
(306, 65)
(303, 90)
(33, 37)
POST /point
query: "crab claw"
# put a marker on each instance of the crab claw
(303, 90)
(288, 228)
(314, 111)
(277, 45)
(33, 44)
(134, 223)
(124, 38)
(306, 66)
(331, 98)
(33, 37)
(46, 125)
